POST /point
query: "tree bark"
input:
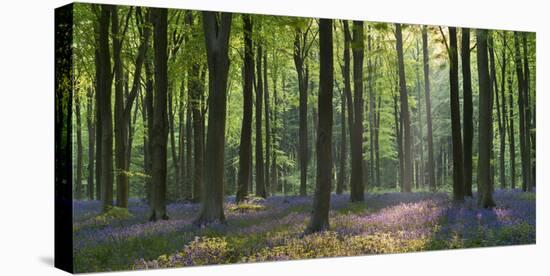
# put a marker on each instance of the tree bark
(407, 145)
(104, 106)
(356, 181)
(523, 128)
(160, 117)
(245, 147)
(458, 163)
(216, 30)
(79, 165)
(485, 121)
(511, 133)
(321, 200)
(426, 61)
(468, 124)
(260, 176)
(267, 128)
(529, 134)
(91, 142)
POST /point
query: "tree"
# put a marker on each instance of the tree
(260, 176)
(356, 181)
(245, 147)
(403, 98)
(91, 143)
(523, 124)
(78, 184)
(267, 185)
(468, 111)
(485, 121)
(159, 136)
(104, 108)
(321, 200)
(300, 53)
(216, 29)
(426, 61)
(458, 161)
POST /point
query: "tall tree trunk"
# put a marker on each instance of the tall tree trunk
(347, 87)
(172, 137)
(216, 32)
(372, 101)
(121, 131)
(525, 171)
(458, 164)
(267, 128)
(356, 181)
(511, 133)
(79, 191)
(160, 117)
(407, 145)
(426, 61)
(528, 132)
(104, 106)
(321, 200)
(495, 94)
(91, 143)
(377, 141)
(398, 140)
(503, 112)
(342, 177)
(299, 55)
(260, 176)
(485, 121)
(468, 111)
(245, 147)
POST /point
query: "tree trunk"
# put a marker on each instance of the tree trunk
(160, 117)
(458, 164)
(407, 145)
(525, 171)
(321, 200)
(299, 56)
(528, 133)
(356, 181)
(216, 32)
(468, 125)
(347, 87)
(503, 113)
(77, 102)
(342, 177)
(267, 185)
(511, 134)
(372, 102)
(104, 106)
(426, 59)
(485, 121)
(260, 177)
(245, 147)
(91, 143)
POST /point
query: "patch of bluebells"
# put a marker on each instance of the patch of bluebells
(271, 229)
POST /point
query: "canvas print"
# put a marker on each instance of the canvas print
(191, 138)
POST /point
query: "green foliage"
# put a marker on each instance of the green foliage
(114, 213)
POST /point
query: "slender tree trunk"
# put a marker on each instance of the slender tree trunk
(216, 32)
(321, 200)
(91, 143)
(398, 140)
(172, 137)
(503, 112)
(260, 176)
(372, 102)
(342, 177)
(245, 147)
(79, 150)
(525, 171)
(485, 121)
(511, 133)
(121, 130)
(468, 111)
(357, 185)
(104, 106)
(426, 59)
(528, 132)
(299, 55)
(407, 145)
(160, 117)
(458, 164)
(347, 88)
(267, 128)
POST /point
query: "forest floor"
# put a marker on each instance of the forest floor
(272, 229)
